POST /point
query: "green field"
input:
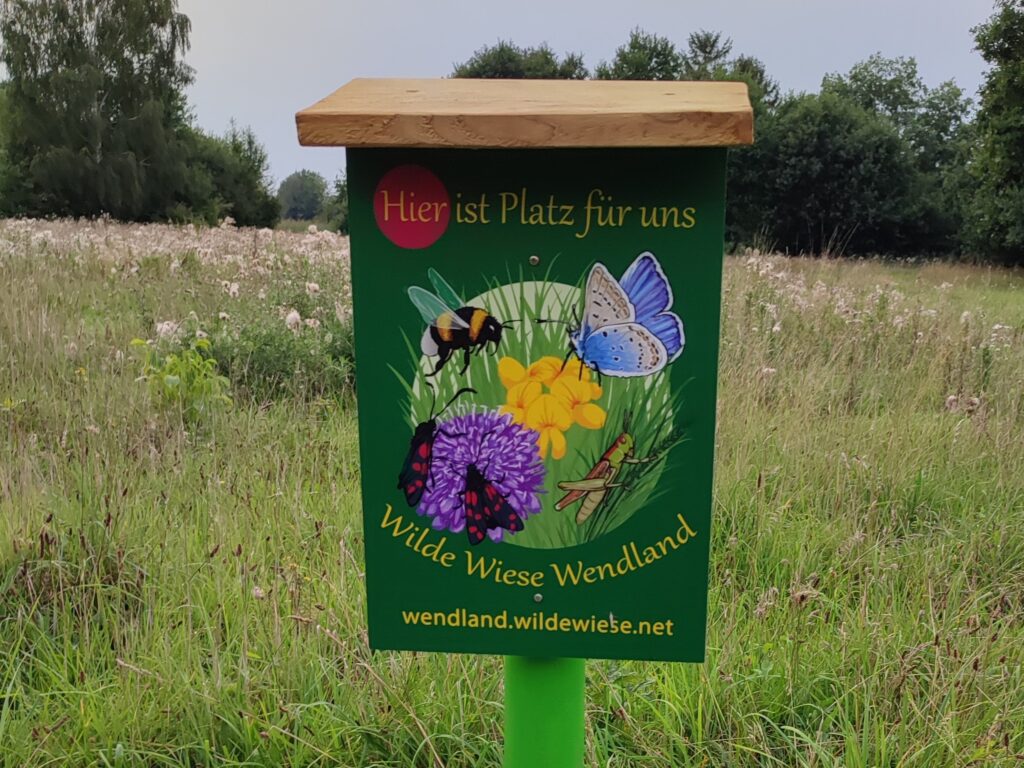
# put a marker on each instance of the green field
(181, 580)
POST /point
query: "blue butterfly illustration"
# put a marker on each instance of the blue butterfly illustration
(628, 327)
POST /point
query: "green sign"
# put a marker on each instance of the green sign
(536, 345)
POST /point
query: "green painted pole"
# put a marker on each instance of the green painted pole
(544, 712)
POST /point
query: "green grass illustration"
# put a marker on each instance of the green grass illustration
(519, 302)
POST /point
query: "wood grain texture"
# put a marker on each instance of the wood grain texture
(529, 113)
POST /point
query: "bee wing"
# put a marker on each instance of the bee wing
(431, 308)
(445, 291)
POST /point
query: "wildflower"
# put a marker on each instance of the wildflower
(550, 414)
(519, 398)
(233, 290)
(504, 452)
(311, 229)
(167, 329)
(293, 320)
(223, 316)
(952, 403)
(258, 593)
(511, 372)
(576, 396)
(312, 289)
(312, 322)
(549, 418)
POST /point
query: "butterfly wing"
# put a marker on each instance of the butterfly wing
(669, 329)
(412, 480)
(431, 307)
(487, 508)
(624, 350)
(502, 513)
(445, 292)
(647, 287)
(651, 296)
(605, 303)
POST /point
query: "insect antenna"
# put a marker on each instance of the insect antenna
(574, 323)
(455, 397)
(433, 400)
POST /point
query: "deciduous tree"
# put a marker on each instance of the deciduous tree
(996, 206)
(302, 195)
(643, 57)
(95, 100)
(509, 61)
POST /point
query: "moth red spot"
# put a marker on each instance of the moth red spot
(424, 450)
(417, 467)
(418, 483)
(471, 497)
(511, 515)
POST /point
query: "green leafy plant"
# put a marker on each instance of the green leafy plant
(266, 361)
(187, 381)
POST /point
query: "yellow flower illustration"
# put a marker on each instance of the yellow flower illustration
(545, 370)
(549, 418)
(574, 369)
(511, 372)
(520, 396)
(551, 413)
(575, 396)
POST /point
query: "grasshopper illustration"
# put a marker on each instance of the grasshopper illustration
(595, 486)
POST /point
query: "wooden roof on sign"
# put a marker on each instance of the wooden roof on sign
(529, 114)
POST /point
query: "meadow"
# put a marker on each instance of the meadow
(181, 574)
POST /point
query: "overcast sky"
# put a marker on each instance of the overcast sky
(260, 61)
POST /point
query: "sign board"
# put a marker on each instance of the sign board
(536, 349)
(536, 277)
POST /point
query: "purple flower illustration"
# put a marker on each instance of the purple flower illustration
(505, 453)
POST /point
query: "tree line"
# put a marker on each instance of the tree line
(876, 162)
(94, 120)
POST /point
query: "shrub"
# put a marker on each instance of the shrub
(186, 382)
(265, 360)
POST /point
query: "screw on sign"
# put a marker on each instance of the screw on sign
(560, 469)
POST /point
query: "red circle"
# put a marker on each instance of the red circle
(411, 206)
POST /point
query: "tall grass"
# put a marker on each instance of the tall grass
(176, 597)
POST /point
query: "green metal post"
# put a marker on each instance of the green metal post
(544, 712)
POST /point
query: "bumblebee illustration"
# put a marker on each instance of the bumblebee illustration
(451, 325)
